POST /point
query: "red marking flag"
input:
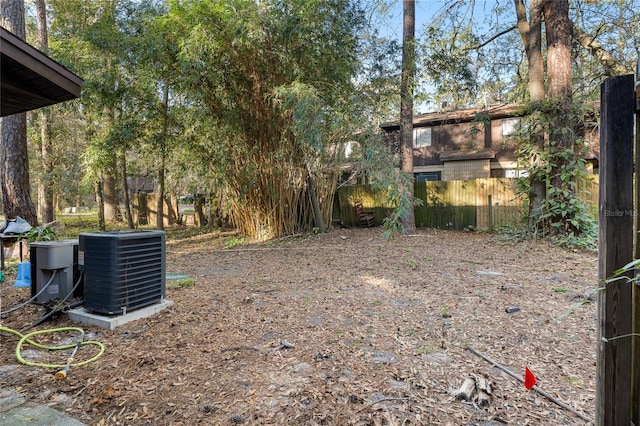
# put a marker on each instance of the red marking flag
(529, 379)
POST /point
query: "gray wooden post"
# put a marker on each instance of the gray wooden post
(615, 244)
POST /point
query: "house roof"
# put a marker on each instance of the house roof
(459, 116)
(468, 154)
(30, 79)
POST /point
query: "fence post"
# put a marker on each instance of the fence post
(635, 401)
(615, 244)
(490, 206)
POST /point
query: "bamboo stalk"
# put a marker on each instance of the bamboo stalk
(536, 388)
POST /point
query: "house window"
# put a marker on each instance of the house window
(421, 137)
(515, 173)
(428, 176)
(511, 126)
(348, 149)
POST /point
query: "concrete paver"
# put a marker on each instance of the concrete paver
(16, 410)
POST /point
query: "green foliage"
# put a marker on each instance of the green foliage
(426, 349)
(473, 55)
(564, 217)
(39, 233)
(233, 242)
(183, 283)
(460, 67)
(401, 201)
(448, 65)
(263, 93)
(274, 82)
(378, 79)
(629, 267)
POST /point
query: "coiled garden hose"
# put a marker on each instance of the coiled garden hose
(26, 338)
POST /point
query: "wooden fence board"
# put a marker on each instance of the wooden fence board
(145, 209)
(455, 204)
(505, 207)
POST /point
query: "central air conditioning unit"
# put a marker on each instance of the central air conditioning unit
(123, 270)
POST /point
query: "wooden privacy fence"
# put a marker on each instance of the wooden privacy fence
(457, 204)
(145, 209)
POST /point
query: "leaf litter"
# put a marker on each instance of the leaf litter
(342, 328)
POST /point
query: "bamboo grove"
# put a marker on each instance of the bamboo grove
(274, 80)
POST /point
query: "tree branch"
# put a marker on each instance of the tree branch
(490, 39)
(611, 65)
(535, 388)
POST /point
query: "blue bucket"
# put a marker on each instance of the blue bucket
(23, 278)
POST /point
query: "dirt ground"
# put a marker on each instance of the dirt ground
(343, 328)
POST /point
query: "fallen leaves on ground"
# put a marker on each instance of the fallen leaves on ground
(375, 334)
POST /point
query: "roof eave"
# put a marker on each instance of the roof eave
(31, 79)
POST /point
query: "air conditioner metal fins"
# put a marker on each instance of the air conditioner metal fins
(124, 270)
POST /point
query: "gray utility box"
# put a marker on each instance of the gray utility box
(52, 262)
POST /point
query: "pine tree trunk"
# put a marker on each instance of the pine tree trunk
(562, 140)
(46, 209)
(531, 34)
(125, 190)
(315, 205)
(110, 194)
(558, 28)
(14, 164)
(161, 172)
(406, 108)
(100, 203)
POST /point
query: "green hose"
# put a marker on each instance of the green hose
(26, 338)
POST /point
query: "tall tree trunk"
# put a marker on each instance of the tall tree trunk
(14, 164)
(100, 203)
(160, 202)
(43, 32)
(163, 154)
(531, 34)
(125, 189)
(111, 200)
(406, 107)
(14, 159)
(558, 30)
(315, 205)
(46, 209)
(112, 212)
(560, 89)
(199, 218)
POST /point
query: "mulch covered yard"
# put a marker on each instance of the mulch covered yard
(343, 328)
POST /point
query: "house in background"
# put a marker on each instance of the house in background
(458, 145)
(465, 160)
